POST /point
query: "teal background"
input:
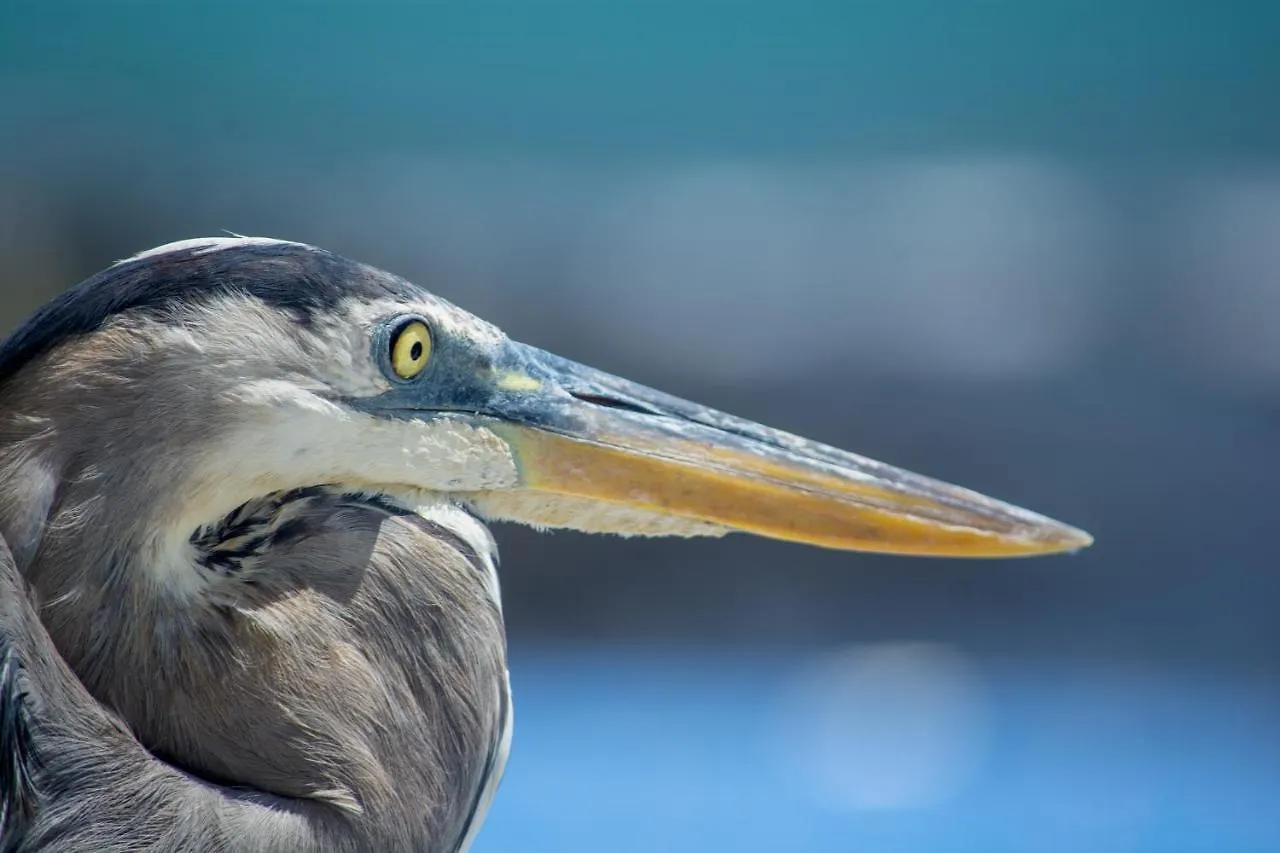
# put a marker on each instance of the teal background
(1033, 247)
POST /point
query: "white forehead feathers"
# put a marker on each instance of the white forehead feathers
(204, 245)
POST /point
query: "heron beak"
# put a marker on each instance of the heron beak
(579, 433)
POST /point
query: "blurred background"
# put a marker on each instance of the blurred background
(1031, 247)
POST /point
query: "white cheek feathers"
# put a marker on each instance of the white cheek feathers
(302, 440)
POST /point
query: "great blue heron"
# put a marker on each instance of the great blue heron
(248, 600)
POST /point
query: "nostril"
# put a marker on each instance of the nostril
(615, 403)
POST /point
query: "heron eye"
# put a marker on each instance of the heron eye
(410, 349)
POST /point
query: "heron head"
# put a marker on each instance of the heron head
(217, 370)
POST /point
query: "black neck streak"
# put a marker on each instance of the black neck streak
(231, 547)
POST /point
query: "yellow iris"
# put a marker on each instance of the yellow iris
(411, 349)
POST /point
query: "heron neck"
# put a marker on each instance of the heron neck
(341, 636)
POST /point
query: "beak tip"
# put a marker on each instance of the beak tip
(1059, 538)
(1081, 540)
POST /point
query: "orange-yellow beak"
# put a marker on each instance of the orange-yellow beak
(583, 438)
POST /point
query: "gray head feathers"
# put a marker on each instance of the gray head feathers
(300, 279)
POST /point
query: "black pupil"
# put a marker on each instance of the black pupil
(415, 351)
